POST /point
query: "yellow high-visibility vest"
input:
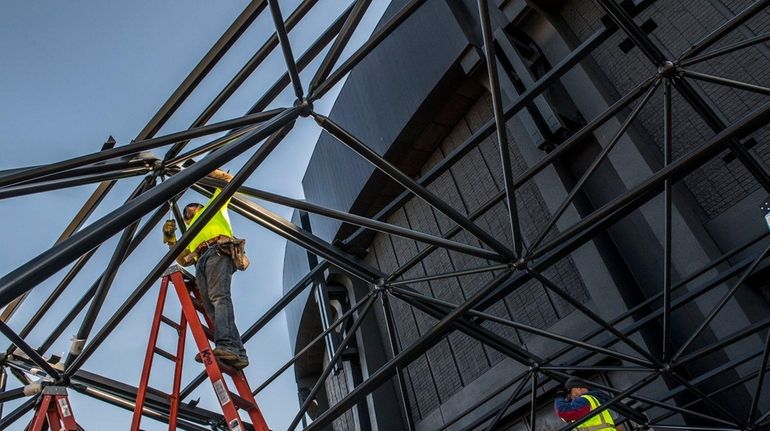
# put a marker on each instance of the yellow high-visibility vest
(218, 225)
(601, 422)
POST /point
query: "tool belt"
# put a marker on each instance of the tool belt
(233, 247)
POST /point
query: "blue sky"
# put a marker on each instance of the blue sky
(70, 77)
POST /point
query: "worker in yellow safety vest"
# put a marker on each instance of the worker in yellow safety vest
(579, 402)
(211, 252)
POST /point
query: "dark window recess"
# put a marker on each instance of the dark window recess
(553, 116)
(647, 27)
(759, 282)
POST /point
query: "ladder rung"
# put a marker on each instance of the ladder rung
(165, 354)
(241, 402)
(169, 322)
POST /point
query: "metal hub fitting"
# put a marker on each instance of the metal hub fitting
(668, 69)
(306, 107)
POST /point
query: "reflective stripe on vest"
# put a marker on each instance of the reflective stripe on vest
(601, 422)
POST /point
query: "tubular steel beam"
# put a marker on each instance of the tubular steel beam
(727, 50)
(726, 82)
(502, 135)
(278, 129)
(312, 343)
(44, 265)
(724, 29)
(704, 110)
(13, 192)
(595, 164)
(515, 394)
(235, 83)
(667, 214)
(407, 182)
(351, 332)
(347, 30)
(138, 146)
(376, 38)
(305, 59)
(33, 355)
(288, 56)
(760, 381)
(55, 333)
(204, 66)
(363, 221)
(105, 282)
(393, 341)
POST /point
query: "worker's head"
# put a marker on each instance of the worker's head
(190, 210)
(576, 387)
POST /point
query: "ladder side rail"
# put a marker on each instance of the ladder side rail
(144, 380)
(244, 391)
(176, 385)
(226, 403)
(41, 414)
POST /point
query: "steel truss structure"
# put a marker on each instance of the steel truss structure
(260, 131)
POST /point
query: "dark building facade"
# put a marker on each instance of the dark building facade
(416, 100)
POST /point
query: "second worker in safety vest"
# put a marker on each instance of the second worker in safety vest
(213, 274)
(579, 403)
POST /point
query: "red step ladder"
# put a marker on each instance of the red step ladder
(54, 411)
(230, 402)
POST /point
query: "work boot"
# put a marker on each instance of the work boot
(239, 363)
(220, 354)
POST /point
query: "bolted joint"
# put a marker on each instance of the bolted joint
(305, 105)
(668, 69)
(380, 284)
(666, 369)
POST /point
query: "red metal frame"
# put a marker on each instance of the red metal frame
(54, 410)
(229, 402)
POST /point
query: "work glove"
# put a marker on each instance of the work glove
(169, 232)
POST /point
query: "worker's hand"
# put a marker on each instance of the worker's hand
(221, 175)
(169, 232)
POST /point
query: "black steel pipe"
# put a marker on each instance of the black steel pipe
(278, 128)
(502, 135)
(407, 182)
(25, 277)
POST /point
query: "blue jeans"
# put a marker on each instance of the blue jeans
(214, 273)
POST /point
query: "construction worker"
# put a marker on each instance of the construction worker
(214, 269)
(579, 402)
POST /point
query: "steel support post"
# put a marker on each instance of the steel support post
(374, 40)
(278, 128)
(288, 56)
(407, 182)
(500, 127)
(44, 265)
(351, 332)
(363, 221)
(347, 30)
(533, 402)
